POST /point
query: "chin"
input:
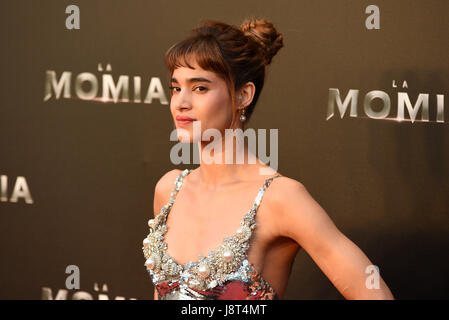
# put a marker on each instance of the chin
(183, 140)
(184, 135)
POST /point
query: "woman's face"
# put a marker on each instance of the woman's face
(202, 96)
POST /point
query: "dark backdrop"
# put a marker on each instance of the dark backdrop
(90, 167)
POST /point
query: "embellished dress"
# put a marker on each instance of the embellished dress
(224, 274)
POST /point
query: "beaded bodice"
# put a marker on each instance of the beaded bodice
(225, 273)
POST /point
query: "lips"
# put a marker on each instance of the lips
(183, 120)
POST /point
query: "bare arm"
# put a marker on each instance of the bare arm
(305, 221)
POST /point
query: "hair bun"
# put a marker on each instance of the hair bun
(265, 34)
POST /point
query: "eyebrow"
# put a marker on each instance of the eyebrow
(192, 80)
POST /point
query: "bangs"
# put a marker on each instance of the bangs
(204, 51)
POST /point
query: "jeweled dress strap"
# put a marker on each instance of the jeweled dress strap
(178, 184)
(261, 193)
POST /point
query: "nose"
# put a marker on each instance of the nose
(182, 102)
(183, 106)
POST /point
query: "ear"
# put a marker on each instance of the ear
(246, 95)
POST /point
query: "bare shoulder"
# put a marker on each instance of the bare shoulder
(163, 188)
(280, 192)
(298, 215)
(283, 188)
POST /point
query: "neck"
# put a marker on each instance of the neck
(224, 163)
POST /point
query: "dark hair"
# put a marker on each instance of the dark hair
(236, 54)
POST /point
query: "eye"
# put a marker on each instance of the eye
(171, 88)
(201, 87)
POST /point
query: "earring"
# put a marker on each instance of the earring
(242, 116)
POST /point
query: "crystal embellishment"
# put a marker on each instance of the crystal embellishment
(227, 262)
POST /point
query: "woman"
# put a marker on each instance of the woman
(207, 247)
